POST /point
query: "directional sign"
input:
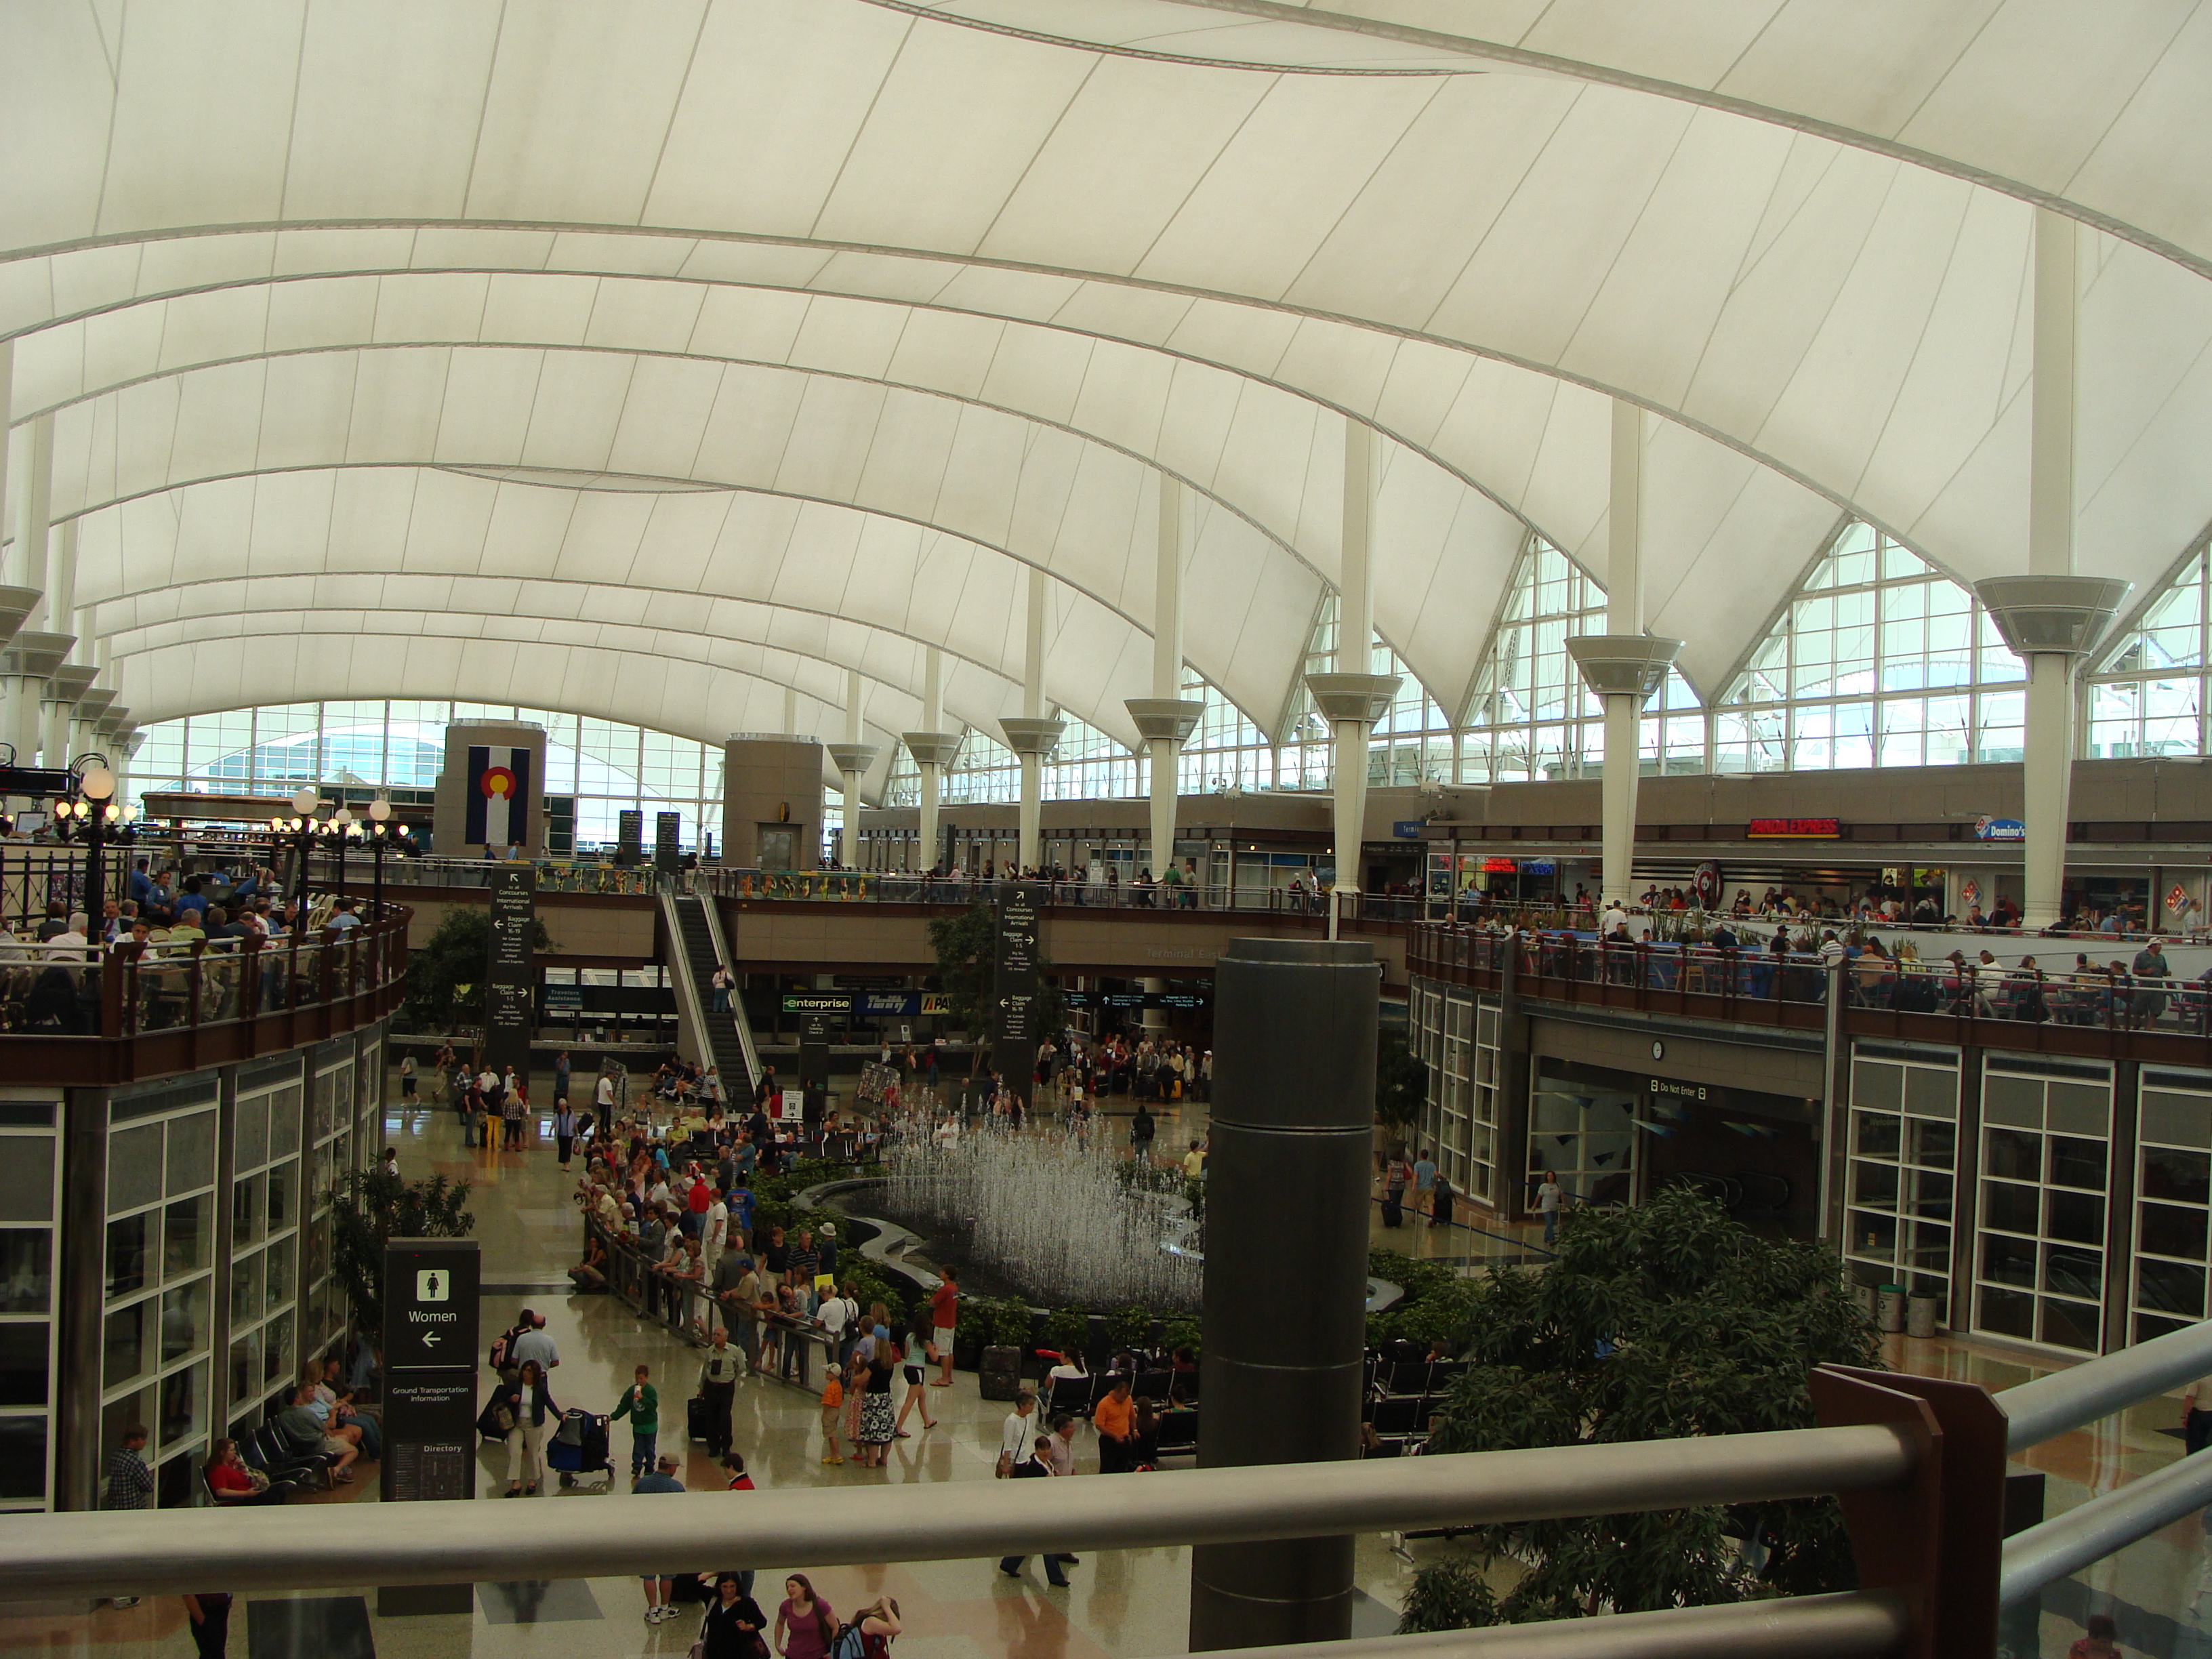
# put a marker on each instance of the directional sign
(430, 1302)
(1014, 1033)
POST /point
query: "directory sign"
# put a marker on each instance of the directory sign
(668, 841)
(630, 836)
(1014, 1033)
(511, 973)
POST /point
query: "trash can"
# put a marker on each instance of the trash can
(1892, 1315)
(1920, 1313)
(1864, 1295)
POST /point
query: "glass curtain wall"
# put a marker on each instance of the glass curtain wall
(158, 1279)
(603, 766)
(265, 1240)
(1531, 718)
(1879, 660)
(2147, 696)
(30, 1207)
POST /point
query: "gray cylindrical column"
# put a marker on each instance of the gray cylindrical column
(1286, 1179)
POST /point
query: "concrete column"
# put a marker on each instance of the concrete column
(1034, 735)
(70, 678)
(449, 821)
(1352, 699)
(1622, 665)
(2050, 617)
(20, 687)
(771, 801)
(1166, 719)
(852, 758)
(932, 748)
(1284, 1315)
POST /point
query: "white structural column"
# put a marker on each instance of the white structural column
(2050, 617)
(1033, 735)
(932, 748)
(1353, 697)
(33, 653)
(18, 597)
(1622, 666)
(70, 678)
(852, 758)
(1166, 719)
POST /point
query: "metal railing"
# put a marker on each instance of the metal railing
(1755, 986)
(1918, 1463)
(219, 992)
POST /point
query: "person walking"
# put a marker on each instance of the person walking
(805, 1625)
(915, 1368)
(719, 1370)
(833, 1407)
(562, 1071)
(564, 1130)
(513, 1110)
(209, 1613)
(658, 1586)
(1017, 1437)
(406, 1094)
(641, 1405)
(1425, 1182)
(733, 1623)
(877, 1428)
(1549, 1197)
(1037, 1466)
(1395, 1175)
(1115, 1418)
(528, 1405)
(944, 1322)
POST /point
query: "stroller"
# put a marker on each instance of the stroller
(578, 1447)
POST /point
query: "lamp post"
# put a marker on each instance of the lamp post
(382, 833)
(302, 826)
(91, 819)
(340, 829)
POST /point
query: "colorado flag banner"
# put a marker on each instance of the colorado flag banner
(498, 797)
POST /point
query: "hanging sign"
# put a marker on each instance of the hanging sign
(1706, 883)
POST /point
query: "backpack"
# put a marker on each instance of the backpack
(850, 1644)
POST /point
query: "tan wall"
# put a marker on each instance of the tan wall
(1688, 1059)
(577, 925)
(770, 780)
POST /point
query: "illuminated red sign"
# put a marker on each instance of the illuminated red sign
(1793, 829)
(1497, 866)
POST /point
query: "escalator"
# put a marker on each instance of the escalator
(718, 1040)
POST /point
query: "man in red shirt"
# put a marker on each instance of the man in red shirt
(945, 1316)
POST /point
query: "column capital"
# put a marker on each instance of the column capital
(16, 603)
(93, 706)
(852, 756)
(2062, 616)
(34, 655)
(1027, 736)
(69, 681)
(1626, 665)
(1170, 718)
(116, 720)
(932, 748)
(1352, 696)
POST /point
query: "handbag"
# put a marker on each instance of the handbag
(699, 1642)
(1005, 1464)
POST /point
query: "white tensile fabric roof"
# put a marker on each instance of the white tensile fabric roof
(645, 360)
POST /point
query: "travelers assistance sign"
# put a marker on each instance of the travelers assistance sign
(498, 797)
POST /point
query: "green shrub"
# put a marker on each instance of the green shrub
(1010, 1322)
(1130, 1328)
(1067, 1330)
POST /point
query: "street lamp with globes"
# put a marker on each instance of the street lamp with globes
(91, 817)
(302, 826)
(383, 831)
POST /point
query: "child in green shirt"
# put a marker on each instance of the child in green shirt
(641, 1405)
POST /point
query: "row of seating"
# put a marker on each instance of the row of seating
(1078, 1395)
(288, 1469)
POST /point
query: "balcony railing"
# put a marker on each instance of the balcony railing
(1962, 1001)
(90, 1015)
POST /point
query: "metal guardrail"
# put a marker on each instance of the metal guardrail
(736, 1017)
(175, 1552)
(2063, 1401)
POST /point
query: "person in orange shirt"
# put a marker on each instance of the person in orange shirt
(833, 1407)
(1115, 1418)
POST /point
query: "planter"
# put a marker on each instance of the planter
(999, 1373)
(967, 1351)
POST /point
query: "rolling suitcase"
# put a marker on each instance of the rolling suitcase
(694, 1416)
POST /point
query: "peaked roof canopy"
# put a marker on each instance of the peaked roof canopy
(643, 360)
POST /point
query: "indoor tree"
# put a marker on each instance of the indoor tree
(967, 947)
(450, 963)
(1659, 1322)
(368, 1207)
(1401, 1083)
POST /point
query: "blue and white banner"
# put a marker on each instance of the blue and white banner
(498, 797)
